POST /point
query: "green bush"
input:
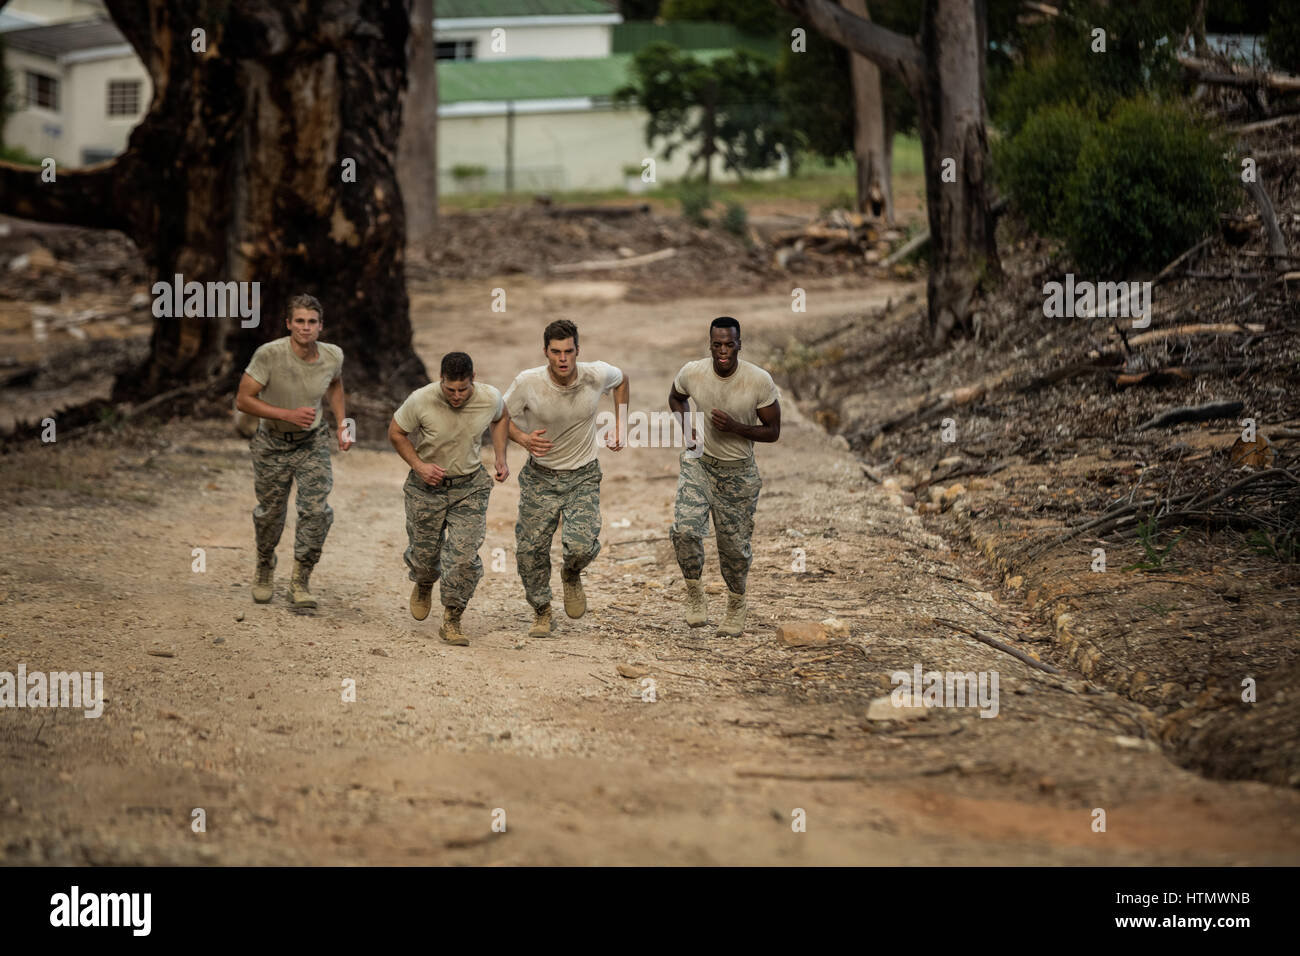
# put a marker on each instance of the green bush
(1283, 39)
(1033, 166)
(695, 200)
(1148, 185)
(1051, 81)
(467, 171)
(735, 220)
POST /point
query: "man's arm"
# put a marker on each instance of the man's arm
(769, 430)
(681, 408)
(500, 441)
(334, 396)
(248, 403)
(621, 392)
(533, 442)
(427, 470)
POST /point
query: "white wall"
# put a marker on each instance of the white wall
(542, 42)
(55, 11)
(585, 148)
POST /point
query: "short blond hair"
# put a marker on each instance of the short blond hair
(305, 301)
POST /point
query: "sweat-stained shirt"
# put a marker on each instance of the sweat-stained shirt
(290, 382)
(568, 413)
(450, 438)
(739, 394)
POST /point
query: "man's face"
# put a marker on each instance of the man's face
(724, 345)
(304, 325)
(561, 356)
(457, 393)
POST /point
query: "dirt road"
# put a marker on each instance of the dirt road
(245, 719)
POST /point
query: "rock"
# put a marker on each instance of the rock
(632, 671)
(950, 461)
(951, 494)
(882, 708)
(219, 640)
(378, 652)
(936, 494)
(802, 634)
(891, 485)
(840, 442)
(239, 616)
(1135, 743)
(1046, 785)
(836, 629)
(981, 484)
(1015, 583)
(504, 735)
(906, 499)
(160, 652)
(713, 588)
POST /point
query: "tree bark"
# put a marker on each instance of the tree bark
(870, 149)
(235, 174)
(944, 72)
(417, 149)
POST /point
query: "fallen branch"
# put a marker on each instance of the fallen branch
(594, 265)
(1168, 270)
(906, 249)
(998, 645)
(1276, 242)
(1193, 413)
(1208, 72)
(1179, 331)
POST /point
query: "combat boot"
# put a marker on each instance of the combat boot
(299, 595)
(734, 623)
(421, 599)
(575, 600)
(697, 613)
(450, 631)
(541, 622)
(264, 581)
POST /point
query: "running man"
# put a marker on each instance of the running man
(558, 402)
(283, 386)
(719, 476)
(447, 489)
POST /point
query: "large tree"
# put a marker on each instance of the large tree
(943, 69)
(417, 149)
(237, 173)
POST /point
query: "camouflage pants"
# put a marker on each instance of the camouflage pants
(729, 491)
(445, 527)
(545, 496)
(277, 463)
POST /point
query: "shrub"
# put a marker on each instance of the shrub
(1033, 166)
(1150, 183)
(735, 220)
(695, 200)
(1283, 39)
(467, 171)
(1052, 81)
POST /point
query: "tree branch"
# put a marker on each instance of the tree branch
(890, 51)
(79, 197)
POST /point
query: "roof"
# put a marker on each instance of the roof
(479, 9)
(461, 81)
(59, 39)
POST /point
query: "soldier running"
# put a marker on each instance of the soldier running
(719, 476)
(283, 386)
(558, 401)
(447, 489)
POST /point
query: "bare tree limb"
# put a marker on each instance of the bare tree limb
(890, 51)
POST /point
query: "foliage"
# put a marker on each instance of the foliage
(468, 171)
(1148, 537)
(696, 200)
(716, 108)
(735, 220)
(1148, 184)
(1283, 38)
(758, 17)
(1032, 166)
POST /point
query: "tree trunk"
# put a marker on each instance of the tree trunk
(236, 174)
(417, 149)
(874, 193)
(945, 75)
(951, 122)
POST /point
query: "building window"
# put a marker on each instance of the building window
(454, 50)
(42, 91)
(123, 97)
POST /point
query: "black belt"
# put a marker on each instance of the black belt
(458, 480)
(562, 471)
(292, 436)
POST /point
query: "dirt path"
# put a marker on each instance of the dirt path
(247, 722)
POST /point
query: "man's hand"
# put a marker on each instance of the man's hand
(302, 417)
(344, 441)
(612, 442)
(503, 470)
(721, 420)
(537, 445)
(430, 472)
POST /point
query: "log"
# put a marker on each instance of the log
(1193, 413)
(1167, 270)
(1265, 124)
(1178, 331)
(1276, 242)
(907, 248)
(998, 645)
(1208, 72)
(594, 265)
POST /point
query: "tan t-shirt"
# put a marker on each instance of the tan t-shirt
(568, 413)
(740, 395)
(450, 438)
(290, 382)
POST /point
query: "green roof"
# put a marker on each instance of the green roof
(460, 81)
(476, 9)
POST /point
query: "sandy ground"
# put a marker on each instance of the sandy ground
(246, 719)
